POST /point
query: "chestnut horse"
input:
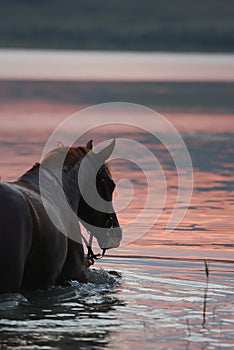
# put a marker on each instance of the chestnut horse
(39, 251)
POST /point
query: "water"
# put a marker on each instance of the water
(154, 304)
(151, 293)
(114, 66)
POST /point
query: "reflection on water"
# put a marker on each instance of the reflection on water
(207, 229)
(118, 66)
(154, 302)
(158, 301)
(65, 314)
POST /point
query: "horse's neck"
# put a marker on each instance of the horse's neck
(70, 181)
(70, 186)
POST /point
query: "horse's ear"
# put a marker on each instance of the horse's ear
(105, 153)
(60, 144)
(89, 145)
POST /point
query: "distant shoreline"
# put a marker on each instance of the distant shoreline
(179, 25)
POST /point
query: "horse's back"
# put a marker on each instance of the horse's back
(15, 237)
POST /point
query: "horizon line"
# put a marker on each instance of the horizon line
(125, 66)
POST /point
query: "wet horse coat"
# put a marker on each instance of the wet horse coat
(33, 251)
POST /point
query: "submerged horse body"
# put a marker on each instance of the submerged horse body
(34, 253)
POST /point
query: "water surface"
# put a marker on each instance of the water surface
(114, 66)
(156, 298)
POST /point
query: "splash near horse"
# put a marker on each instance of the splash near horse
(40, 243)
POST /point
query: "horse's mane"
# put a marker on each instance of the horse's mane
(35, 166)
(73, 154)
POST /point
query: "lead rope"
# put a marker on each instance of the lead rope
(91, 254)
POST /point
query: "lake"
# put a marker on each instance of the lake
(151, 292)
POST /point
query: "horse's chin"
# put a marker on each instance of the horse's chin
(111, 239)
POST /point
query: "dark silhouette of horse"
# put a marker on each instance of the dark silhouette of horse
(40, 237)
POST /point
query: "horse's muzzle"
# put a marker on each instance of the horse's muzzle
(112, 238)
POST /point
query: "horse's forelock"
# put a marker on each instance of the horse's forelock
(80, 151)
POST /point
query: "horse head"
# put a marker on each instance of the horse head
(95, 209)
(90, 200)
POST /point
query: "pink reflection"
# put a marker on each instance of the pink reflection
(128, 66)
(206, 230)
(25, 128)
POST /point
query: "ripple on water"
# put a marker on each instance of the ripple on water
(150, 304)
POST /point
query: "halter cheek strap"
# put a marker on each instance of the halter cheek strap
(91, 254)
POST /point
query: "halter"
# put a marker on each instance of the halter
(91, 254)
